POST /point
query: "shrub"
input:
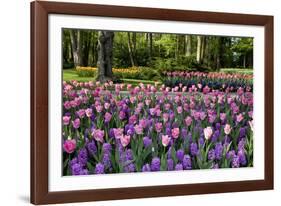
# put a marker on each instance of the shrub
(86, 71)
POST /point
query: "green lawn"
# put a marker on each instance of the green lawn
(235, 70)
(70, 74)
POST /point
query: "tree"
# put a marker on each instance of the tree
(188, 45)
(105, 54)
(130, 50)
(243, 47)
(150, 45)
(75, 37)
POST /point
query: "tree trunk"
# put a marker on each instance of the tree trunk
(134, 43)
(150, 45)
(202, 50)
(177, 47)
(244, 61)
(105, 54)
(199, 47)
(86, 35)
(187, 45)
(218, 56)
(130, 50)
(76, 47)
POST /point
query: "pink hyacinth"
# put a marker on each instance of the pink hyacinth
(175, 133)
(69, 146)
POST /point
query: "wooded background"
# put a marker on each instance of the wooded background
(166, 51)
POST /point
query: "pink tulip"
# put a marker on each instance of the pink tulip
(227, 129)
(98, 134)
(239, 118)
(175, 133)
(188, 121)
(69, 146)
(66, 120)
(208, 132)
(118, 132)
(125, 140)
(76, 123)
(158, 127)
(165, 140)
(89, 112)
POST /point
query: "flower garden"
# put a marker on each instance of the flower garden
(191, 121)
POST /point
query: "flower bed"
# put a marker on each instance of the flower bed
(212, 80)
(143, 73)
(153, 128)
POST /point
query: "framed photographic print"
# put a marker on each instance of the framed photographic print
(131, 102)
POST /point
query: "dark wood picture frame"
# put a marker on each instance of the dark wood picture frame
(39, 102)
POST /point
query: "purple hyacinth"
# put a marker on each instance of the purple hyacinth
(218, 125)
(155, 164)
(235, 162)
(83, 156)
(215, 166)
(179, 166)
(130, 168)
(184, 133)
(106, 160)
(92, 148)
(146, 168)
(170, 164)
(84, 172)
(202, 140)
(169, 153)
(241, 144)
(218, 150)
(186, 162)
(129, 154)
(168, 131)
(147, 142)
(111, 133)
(242, 132)
(76, 169)
(106, 148)
(99, 168)
(194, 149)
(211, 154)
(215, 136)
(180, 155)
(242, 157)
(73, 161)
(230, 154)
